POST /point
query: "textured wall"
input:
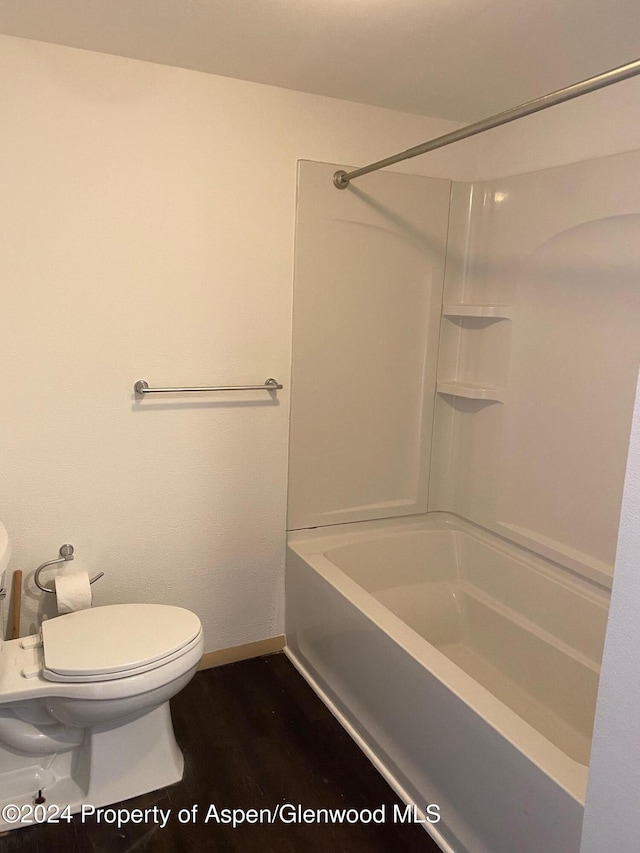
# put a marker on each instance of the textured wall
(146, 231)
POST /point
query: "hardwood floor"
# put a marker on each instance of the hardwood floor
(254, 736)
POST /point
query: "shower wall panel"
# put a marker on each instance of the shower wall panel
(369, 271)
(539, 358)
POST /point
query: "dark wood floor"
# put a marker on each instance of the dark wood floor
(254, 735)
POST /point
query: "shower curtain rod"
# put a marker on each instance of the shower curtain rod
(615, 75)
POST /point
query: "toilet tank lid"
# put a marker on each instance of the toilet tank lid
(116, 638)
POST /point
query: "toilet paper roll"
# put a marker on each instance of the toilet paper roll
(73, 591)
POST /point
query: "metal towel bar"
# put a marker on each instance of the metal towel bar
(142, 387)
(66, 554)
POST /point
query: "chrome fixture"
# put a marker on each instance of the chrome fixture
(142, 387)
(66, 554)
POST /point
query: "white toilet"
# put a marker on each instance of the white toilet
(84, 710)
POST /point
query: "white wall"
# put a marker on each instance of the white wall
(146, 231)
(612, 818)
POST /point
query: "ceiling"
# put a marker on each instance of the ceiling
(456, 59)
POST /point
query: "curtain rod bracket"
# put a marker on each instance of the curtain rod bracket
(340, 180)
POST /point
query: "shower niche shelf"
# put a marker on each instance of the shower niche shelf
(496, 312)
(454, 388)
(474, 349)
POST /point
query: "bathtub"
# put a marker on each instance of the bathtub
(464, 666)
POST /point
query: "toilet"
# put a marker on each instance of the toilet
(84, 704)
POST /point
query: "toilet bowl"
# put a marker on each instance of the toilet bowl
(84, 704)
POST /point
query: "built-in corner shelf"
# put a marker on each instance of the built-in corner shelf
(498, 312)
(470, 392)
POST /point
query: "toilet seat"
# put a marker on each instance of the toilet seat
(116, 641)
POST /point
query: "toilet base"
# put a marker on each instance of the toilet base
(114, 763)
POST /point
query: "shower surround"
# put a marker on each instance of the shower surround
(465, 361)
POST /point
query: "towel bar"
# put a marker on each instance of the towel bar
(142, 387)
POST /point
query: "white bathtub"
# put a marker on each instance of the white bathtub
(465, 667)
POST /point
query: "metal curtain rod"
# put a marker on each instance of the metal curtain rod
(615, 75)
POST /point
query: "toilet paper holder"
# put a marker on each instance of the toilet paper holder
(66, 554)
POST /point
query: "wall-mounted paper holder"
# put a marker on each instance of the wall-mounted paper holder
(66, 554)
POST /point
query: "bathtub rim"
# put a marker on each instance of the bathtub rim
(310, 545)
